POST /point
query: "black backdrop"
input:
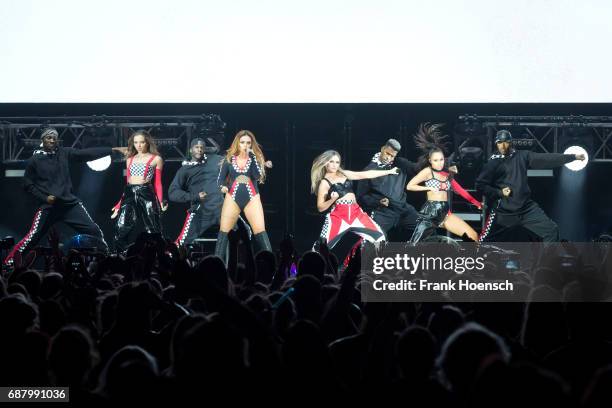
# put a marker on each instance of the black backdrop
(292, 135)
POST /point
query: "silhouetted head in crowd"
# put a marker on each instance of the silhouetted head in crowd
(71, 356)
(416, 352)
(17, 315)
(31, 281)
(52, 317)
(52, 284)
(211, 352)
(304, 351)
(465, 351)
(211, 272)
(307, 298)
(135, 303)
(501, 385)
(312, 263)
(445, 321)
(131, 374)
(183, 326)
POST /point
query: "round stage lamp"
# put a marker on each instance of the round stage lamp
(577, 165)
(100, 164)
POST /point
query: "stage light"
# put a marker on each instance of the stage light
(100, 164)
(577, 165)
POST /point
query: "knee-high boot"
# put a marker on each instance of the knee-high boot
(221, 247)
(262, 241)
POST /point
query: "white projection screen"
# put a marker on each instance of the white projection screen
(305, 51)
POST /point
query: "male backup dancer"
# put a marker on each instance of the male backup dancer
(503, 181)
(384, 198)
(196, 183)
(47, 179)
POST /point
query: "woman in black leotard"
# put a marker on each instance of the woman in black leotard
(243, 167)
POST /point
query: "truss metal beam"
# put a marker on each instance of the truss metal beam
(19, 135)
(548, 132)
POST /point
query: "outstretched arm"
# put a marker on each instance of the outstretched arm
(463, 193)
(406, 165)
(91, 153)
(369, 174)
(550, 160)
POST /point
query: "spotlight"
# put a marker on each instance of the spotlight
(577, 165)
(100, 164)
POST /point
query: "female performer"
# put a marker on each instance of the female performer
(142, 196)
(243, 167)
(333, 187)
(435, 212)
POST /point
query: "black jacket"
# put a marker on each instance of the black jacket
(393, 187)
(49, 173)
(511, 171)
(191, 179)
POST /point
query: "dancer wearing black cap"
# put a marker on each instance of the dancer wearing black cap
(47, 179)
(503, 181)
(196, 183)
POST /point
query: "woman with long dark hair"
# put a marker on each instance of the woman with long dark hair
(143, 194)
(437, 182)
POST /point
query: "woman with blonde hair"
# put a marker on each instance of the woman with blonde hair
(334, 189)
(243, 167)
(143, 194)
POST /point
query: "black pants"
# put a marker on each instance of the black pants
(196, 223)
(530, 217)
(388, 218)
(432, 215)
(75, 215)
(139, 202)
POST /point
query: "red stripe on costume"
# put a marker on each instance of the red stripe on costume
(366, 220)
(28, 236)
(251, 187)
(180, 236)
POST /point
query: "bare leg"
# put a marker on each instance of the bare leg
(255, 215)
(229, 214)
(457, 226)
